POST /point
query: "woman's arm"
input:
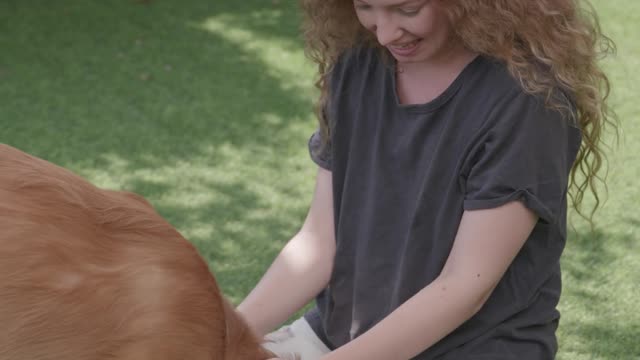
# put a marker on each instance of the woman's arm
(486, 243)
(301, 270)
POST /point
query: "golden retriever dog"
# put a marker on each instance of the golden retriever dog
(87, 273)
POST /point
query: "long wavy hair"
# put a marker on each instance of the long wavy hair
(546, 44)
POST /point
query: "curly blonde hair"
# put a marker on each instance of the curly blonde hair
(563, 37)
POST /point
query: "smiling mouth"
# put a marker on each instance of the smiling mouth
(406, 49)
(407, 46)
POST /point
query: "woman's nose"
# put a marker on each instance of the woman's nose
(386, 31)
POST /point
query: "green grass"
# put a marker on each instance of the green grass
(204, 108)
(201, 107)
(602, 269)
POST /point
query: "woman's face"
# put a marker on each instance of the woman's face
(412, 30)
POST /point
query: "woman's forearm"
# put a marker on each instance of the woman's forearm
(300, 272)
(486, 243)
(413, 327)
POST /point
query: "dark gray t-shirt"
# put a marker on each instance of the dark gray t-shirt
(402, 177)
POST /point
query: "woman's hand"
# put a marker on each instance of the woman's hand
(288, 356)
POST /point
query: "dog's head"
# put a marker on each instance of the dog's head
(87, 273)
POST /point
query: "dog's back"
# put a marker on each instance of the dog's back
(87, 273)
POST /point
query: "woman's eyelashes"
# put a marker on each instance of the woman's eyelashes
(408, 11)
(361, 6)
(405, 11)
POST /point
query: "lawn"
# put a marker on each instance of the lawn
(204, 108)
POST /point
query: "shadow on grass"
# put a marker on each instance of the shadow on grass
(611, 341)
(120, 87)
(270, 18)
(139, 93)
(589, 261)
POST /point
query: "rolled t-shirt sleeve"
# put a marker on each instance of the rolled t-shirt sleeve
(524, 152)
(320, 153)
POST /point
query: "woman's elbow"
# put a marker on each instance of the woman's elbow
(472, 295)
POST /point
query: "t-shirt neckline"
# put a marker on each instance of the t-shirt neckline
(441, 99)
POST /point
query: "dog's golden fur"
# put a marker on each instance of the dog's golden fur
(87, 273)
